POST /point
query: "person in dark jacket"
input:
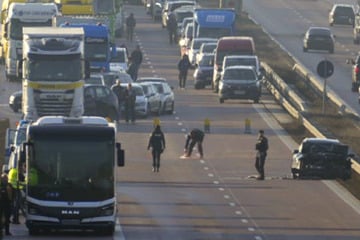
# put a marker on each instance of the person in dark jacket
(5, 205)
(183, 67)
(196, 136)
(136, 58)
(120, 94)
(261, 147)
(130, 26)
(172, 27)
(130, 99)
(157, 146)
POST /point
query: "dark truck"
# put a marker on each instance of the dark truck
(321, 158)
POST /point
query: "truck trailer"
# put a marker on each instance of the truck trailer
(53, 72)
(214, 22)
(71, 168)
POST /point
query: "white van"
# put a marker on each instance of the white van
(119, 62)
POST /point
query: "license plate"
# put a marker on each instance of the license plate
(241, 92)
(70, 222)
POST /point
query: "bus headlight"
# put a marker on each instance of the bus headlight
(107, 210)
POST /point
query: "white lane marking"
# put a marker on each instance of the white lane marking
(216, 182)
(210, 175)
(258, 238)
(118, 235)
(180, 123)
(206, 168)
(244, 220)
(238, 212)
(232, 204)
(226, 196)
(343, 194)
(251, 229)
(221, 189)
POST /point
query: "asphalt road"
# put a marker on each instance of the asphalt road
(214, 198)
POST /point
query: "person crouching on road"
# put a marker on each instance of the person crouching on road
(157, 145)
(196, 136)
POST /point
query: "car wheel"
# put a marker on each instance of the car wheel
(197, 85)
(171, 111)
(221, 100)
(112, 115)
(159, 110)
(354, 87)
(34, 231)
(305, 49)
(294, 174)
(256, 100)
(331, 50)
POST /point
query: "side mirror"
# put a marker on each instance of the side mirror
(120, 155)
(19, 70)
(295, 151)
(351, 155)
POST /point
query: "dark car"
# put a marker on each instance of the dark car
(319, 38)
(99, 100)
(342, 14)
(239, 82)
(204, 71)
(322, 158)
(356, 30)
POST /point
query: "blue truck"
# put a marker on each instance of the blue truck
(214, 22)
(98, 46)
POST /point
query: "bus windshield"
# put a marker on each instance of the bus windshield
(16, 27)
(68, 173)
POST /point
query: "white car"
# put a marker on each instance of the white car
(167, 97)
(119, 62)
(243, 60)
(195, 46)
(205, 48)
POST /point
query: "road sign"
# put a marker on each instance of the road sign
(325, 69)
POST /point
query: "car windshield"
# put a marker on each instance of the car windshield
(240, 61)
(159, 88)
(239, 75)
(93, 80)
(323, 147)
(344, 11)
(320, 32)
(207, 60)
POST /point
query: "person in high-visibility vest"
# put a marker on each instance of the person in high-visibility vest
(16, 180)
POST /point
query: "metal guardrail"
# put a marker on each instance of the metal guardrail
(280, 91)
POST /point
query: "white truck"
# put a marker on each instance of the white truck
(53, 72)
(22, 15)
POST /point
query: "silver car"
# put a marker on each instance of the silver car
(153, 98)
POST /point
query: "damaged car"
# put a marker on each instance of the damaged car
(321, 158)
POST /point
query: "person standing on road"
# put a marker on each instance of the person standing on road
(196, 136)
(136, 58)
(119, 92)
(157, 145)
(172, 27)
(130, 99)
(130, 26)
(5, 205)
(183, 67)
(261, 147)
